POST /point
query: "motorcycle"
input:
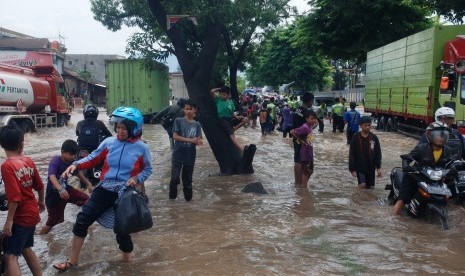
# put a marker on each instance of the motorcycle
(432, 194)
(458, 189)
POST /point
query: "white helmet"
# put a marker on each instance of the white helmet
(437, 133)
(444, 111)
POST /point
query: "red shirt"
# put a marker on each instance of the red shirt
(20, 176)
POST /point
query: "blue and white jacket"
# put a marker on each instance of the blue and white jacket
(121, 160)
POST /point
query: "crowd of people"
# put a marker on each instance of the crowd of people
(126, 162)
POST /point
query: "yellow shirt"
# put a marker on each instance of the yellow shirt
(437, 154)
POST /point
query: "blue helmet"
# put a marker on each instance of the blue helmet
(131, 117)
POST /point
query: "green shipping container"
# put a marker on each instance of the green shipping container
(128, 84)
(402, 78)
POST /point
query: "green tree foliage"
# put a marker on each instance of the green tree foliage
(452, 10)
(257, 18)
(279, 60)
(195, 43)
(347, 30)
(239, 22)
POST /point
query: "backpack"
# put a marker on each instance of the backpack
(89, 135)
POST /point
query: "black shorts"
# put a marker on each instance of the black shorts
(297, 148)
(22, 238)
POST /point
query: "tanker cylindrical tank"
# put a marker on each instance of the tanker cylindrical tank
(34, 92)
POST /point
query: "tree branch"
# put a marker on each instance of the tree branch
(179, 44)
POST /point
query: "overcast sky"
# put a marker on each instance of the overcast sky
(74, 21)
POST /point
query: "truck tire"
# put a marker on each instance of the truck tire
(381, 124)
(390, 124)
(27, 126)
(61, 120)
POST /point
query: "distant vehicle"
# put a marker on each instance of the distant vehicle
(271, 94)
(296, 92)
(329, 101)
(409, 79)
(249, 92)
(128, 84)
(267, 89)
(32, 97)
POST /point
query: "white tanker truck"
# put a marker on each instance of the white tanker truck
(32, 97)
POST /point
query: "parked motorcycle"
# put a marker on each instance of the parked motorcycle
(432, 194)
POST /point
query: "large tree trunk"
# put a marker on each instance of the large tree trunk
(233, 82)
(197, 72)
(225, 152)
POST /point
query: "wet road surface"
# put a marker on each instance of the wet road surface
(330, 229)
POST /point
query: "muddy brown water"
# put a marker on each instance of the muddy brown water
(330, 229)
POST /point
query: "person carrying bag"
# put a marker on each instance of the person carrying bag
(127, 162)
(132, 214)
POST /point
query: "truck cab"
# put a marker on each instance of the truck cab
(452, 82)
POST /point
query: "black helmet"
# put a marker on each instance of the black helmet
(181, 102)
(90, 111)
(437, 134)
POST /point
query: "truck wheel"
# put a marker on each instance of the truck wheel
(381, 123)
(61, 120)
(390, 125)
(27, 126)
(394, 124)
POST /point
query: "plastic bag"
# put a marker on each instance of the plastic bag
(132, 214)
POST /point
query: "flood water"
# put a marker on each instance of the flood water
(330, 229)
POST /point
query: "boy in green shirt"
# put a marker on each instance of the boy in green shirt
(228, 120)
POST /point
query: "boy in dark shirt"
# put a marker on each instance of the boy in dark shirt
(59, 194)
(187, 134)
(365, 155)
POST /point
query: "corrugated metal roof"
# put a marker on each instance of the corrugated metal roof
(24, 43)
(4, 32)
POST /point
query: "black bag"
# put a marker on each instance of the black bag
(132, 214)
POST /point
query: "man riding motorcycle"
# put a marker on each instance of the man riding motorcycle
(90, 131)
(433, 153)
(446, 115)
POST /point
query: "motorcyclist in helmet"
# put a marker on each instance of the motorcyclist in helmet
(167, 116)
(446, 115)
(90, 131)
(432, 154)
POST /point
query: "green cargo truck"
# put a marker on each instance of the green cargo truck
(409, 79)
(128, 84)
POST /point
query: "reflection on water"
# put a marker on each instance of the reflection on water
(333, 228)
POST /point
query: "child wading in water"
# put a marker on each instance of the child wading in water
(304, 136)
(365, 155)
(21, 178)
(264, 119)
(187, 134)
(59, 195)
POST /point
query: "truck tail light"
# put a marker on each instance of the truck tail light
(460, 66)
